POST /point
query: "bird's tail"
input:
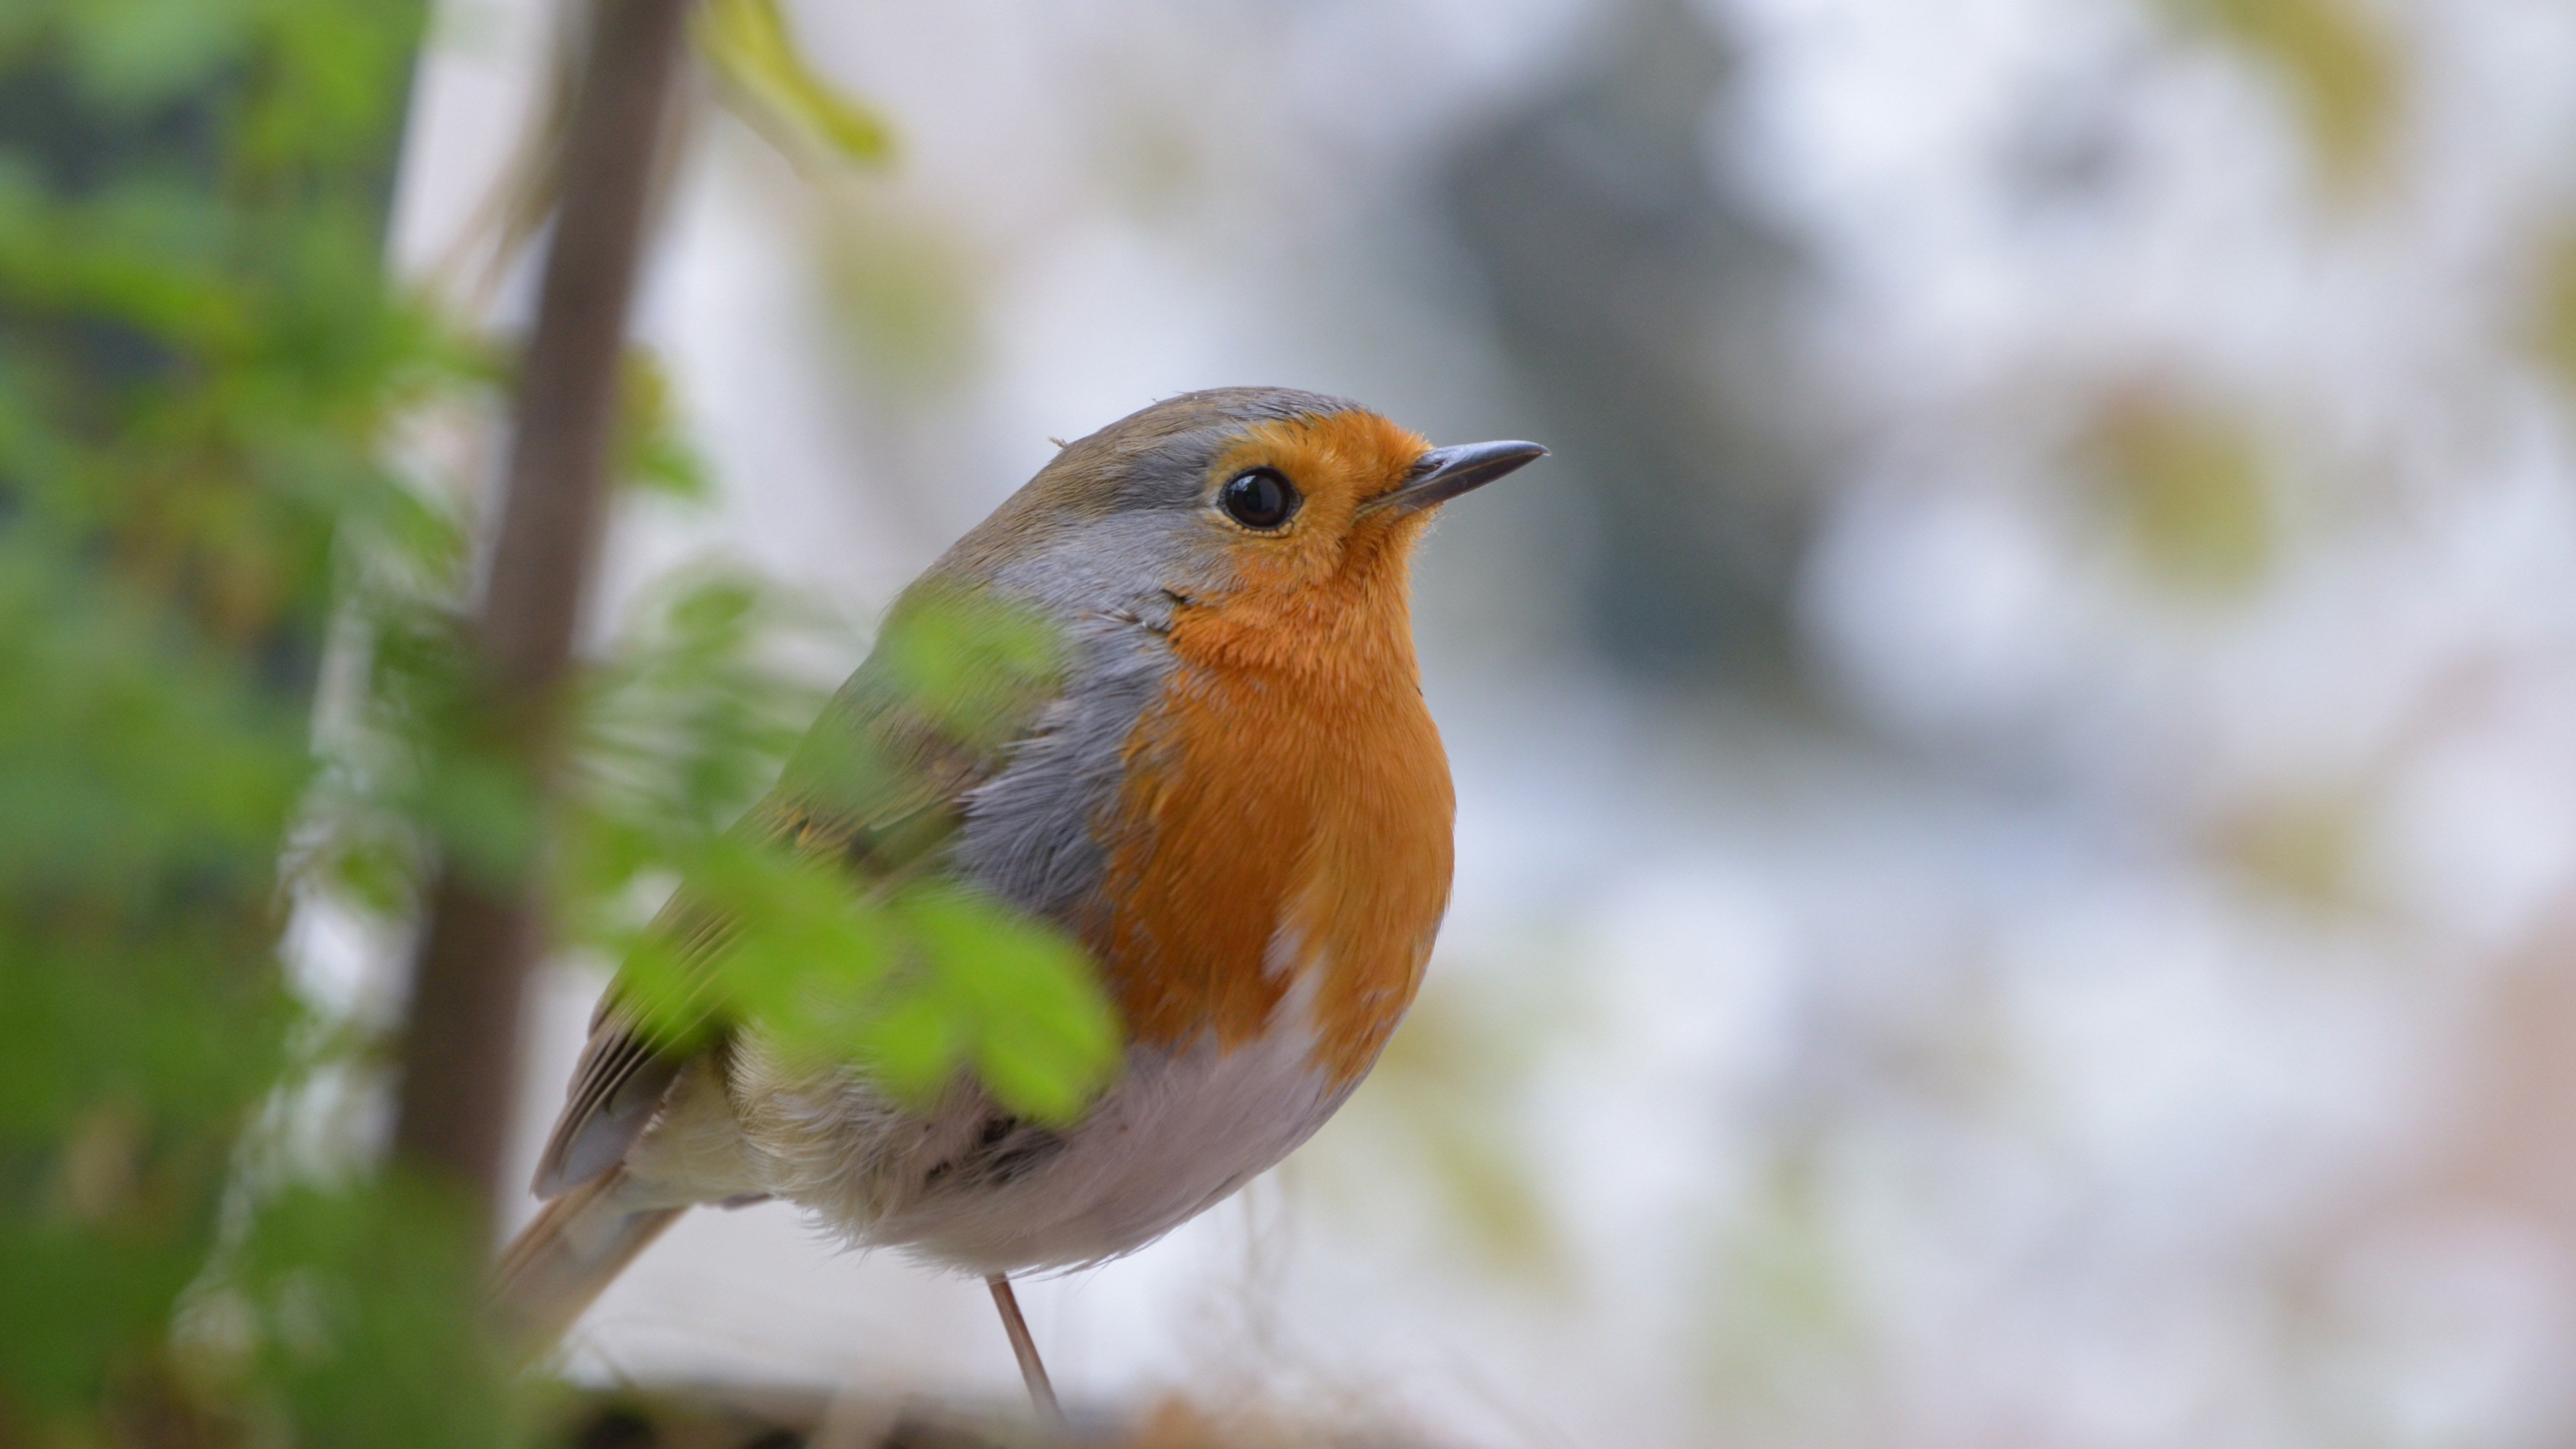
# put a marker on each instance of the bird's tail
(564, 1257)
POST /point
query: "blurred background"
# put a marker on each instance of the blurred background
(2017, 768)
(2017, 810)
(2017, 871)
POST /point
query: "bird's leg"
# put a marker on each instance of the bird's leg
(1032, 1372)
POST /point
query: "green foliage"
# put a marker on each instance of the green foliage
(1010, 995)
(914, 980)
(973, 665)
(2339, 65)
(2188, 488)
(234, 676)
(198, 358)
(339, 1318)
(651, 452)
(769, 83)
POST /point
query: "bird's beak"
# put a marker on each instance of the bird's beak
(1444, 473)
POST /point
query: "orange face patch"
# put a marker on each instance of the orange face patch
(1338, 462)
(1288, 809)
(1340, 459)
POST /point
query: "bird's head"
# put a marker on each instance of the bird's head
(1271, 522)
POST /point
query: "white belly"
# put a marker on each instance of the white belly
(970, 1187)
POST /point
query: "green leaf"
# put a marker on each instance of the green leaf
(1023, 995)
(134, 53)
(363, 1309)
(973, 662)
(912, 1045)
(766, 80)
(652, 451)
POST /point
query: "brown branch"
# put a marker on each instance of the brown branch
(461, 1046)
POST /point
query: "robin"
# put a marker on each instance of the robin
(1234, 798)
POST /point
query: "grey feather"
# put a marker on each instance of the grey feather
(1106, 540)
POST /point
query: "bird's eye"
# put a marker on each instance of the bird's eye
(1259, 498)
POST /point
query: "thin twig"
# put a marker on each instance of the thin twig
(461, 1046)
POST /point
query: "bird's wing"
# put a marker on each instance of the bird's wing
(878, 786)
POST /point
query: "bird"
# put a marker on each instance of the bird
(1232, 796)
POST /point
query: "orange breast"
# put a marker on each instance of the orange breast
(1286, 822)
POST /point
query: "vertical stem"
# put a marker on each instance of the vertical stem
(461, 1045)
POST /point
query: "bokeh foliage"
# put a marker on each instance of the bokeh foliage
(198, 361)
(2187, 484)
(2336, 62)
(234, 681)
(765, 77)
(891, 966)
